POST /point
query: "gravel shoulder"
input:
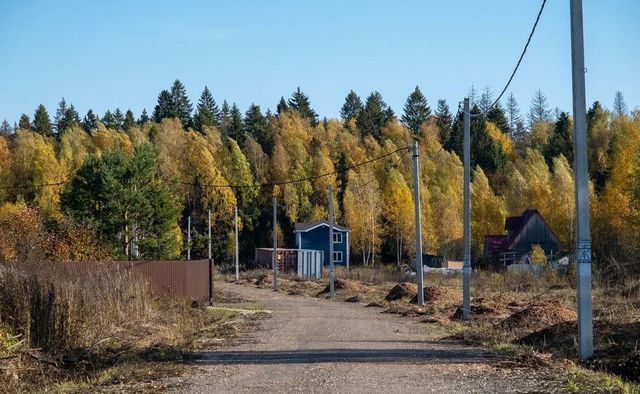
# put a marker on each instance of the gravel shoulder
(314, 345)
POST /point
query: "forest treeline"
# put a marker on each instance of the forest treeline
(119, 180)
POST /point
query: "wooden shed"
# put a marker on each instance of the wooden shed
(522, 232)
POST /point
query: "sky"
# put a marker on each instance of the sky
(103, 55)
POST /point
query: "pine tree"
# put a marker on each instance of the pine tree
(255, 125)
(539, 110)
(560, 142)
(513, 116)
(416, 111)
(374, 116)
(69, 119)
(444, 121)
(236, 127)
(207, 112)
(351, 107)
(5, 128)
(497, 116)
(225, 118)
(164, 108)
(619, 105)
(59, 118)
(144, 117)
(473, 96)
(129, 120)
(486, 99)
(118, 118)
(109, 120)
(182, 107)
(90, 121)
(282, 106)
(25, 122)
(42, 122)
(300, 102)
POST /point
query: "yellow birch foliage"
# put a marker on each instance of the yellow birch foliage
(488, 212)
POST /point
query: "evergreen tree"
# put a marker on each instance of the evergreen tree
(59, 118)
(473, 96)
(164, 108)
(42, 122)
(118, 118)
(416, 111)
(351, 107)
(129, 120)
(25, 122)
(513, 116)
(560, 142)
(444, 121)
(619, 105)
(207, 112)
(69, 119)
(236, 127)
(109, 120)
(144, 117)
(282, 106)
(90, 121)
(539, 110)
(181, 105)
(374, 116)
(255, 125)
(300, 102)
(5, 128)
(225, 118)
(497, 116)
(486, 99)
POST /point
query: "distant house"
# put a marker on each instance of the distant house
(523, 232)
(315, 236)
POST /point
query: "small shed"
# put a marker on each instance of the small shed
(315, 236)
(522, 232)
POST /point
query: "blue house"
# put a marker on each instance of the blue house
(315, 236)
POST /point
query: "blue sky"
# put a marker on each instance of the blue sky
(103, 55)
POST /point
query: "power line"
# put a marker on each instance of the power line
(513, 74)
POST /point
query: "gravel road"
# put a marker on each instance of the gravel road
(315, 346)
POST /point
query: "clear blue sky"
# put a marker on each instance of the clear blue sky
(103, 55)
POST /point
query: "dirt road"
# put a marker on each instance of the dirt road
(314, 346)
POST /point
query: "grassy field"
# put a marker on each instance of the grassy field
(531, 317)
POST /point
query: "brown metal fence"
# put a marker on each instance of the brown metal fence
(188, 279)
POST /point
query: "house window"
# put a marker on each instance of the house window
(337, 238)
(337, 257)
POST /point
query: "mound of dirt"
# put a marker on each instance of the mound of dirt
(538, 316)
(264, 280)
(477, 309)
(345, 286)
(435, 293)
(401, 291)
(355, 298)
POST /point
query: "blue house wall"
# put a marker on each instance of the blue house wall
(318, 239)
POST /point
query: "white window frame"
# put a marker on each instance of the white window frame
(339, 236)
(337, 256)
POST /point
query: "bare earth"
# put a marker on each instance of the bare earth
(312, 345)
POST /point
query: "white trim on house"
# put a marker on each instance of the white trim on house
(321, 224)
(337, 238)
(337, 256)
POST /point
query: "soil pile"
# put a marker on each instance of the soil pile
(401, 291)
(344, 285)
(435, 294)
(264, 280)
(538, 316)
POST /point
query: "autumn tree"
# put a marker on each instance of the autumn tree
(363, 214)
(398, 212)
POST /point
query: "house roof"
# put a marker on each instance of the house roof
(304, 227)
(514, 226)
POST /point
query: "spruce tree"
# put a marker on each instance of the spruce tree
(539, 110)
(444, 121)
(182, 107)
(374, 116)
(5, 128)
(59, 118)
(513, 116)
(486, 99)
(25, 122)
(69, 119)
(118, 118)
(282, 106)
(300, 102)
(144, 117)
(207, 112)
(497, 116)
(416, 111)
(42, 122)
(236, 127)
(129, 120)
(560, 142)
(109, 120)
(225, 118)
(351, 107)
(255, 125)
(90, 121)
(164, 108)
(619, 105)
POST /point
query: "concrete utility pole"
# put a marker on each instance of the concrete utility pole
(210, 264)
(189, 238)
(583, 233)
(332, 272)
(466, 232)
(416, 202)
(275, 243)
(237, 257)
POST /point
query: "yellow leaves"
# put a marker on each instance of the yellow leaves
(104, 139)
(6, 175)
(363, 211)
(562, 217)
(488, 211)
(398, 211)
(537, 255)
(75, 146)
(500, 138)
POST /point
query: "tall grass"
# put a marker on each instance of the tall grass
(61, 306)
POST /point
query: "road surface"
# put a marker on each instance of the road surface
(312, 345)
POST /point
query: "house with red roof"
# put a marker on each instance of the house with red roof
(522, 232)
